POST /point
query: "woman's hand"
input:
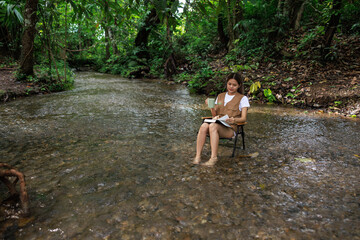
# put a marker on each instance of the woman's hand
(213, 112)
(231, 120)
(216, 117)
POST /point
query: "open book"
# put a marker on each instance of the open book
(221, 120)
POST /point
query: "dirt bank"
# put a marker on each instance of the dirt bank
(11, 89)
(329, 88)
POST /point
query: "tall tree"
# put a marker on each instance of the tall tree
(142, 37)
(27, 56)
(113, 41)
(293, 10)
(296, 11)
(332, 26)
(232, 11)
(106, 29)
(220, 28)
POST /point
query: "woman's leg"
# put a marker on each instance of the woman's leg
(200, 142)
(216, 131)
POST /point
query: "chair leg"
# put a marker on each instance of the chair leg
(243, 136)
(235, 141)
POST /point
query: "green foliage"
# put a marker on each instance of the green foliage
(206, 80)
(48, 79)
(237, 68)
(183, 77)
(47, 83)
(290, 95)
(309, 41)
(269, 96)
(157, 67)
(332, 53)
(337, 103)
(11, 21)
(200, 80)
(267, 78)
(259, 25)
(254, 87)
(10, 14)
(8, 62)
(295, 91)
(260, 31)
(199, 31)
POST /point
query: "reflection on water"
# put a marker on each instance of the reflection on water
(112, 159)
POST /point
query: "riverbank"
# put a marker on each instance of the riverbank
(332, 89)
(46, 79)
(10, 89)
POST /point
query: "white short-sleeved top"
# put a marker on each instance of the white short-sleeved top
(243, 103)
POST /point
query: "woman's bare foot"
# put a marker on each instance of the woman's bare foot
(211, 162)
(196, 160)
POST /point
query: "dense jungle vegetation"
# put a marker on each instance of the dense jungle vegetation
(195, 42)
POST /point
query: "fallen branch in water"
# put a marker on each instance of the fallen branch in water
(9, 172)
(252, 155)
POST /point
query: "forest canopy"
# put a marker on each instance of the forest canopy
(169, 38)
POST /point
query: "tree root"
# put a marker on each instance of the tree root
(9, 171)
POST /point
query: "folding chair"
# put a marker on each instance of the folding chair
(239, 131)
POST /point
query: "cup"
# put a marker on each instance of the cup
(211, 102)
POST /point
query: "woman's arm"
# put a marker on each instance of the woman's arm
(213, 112)
(243, 107)
(243, 115)
(240, 119)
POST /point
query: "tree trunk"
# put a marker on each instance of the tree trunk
(220, 28)
(27, 56)
(141, 39)
(230, 27)
(280, 6)
(113, 42)
(234, 15)
(295, 11)
(65, 39)
(238, 14)
(47, 37)
(80, 39)
(170, 66)
(107, 45)
(106, 29)
(286, 7)
(299, 16)
(332, 26)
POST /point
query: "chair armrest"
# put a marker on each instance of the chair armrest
(206, 118)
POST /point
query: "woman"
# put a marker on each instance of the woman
(232, 103)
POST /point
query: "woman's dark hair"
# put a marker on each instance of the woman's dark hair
(239, 79)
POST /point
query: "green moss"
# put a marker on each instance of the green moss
(2, 92)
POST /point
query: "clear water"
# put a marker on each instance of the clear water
(111, 159)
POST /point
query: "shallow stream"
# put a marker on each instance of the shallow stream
(111, 159)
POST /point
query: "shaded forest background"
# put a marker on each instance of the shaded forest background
(300, 52)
